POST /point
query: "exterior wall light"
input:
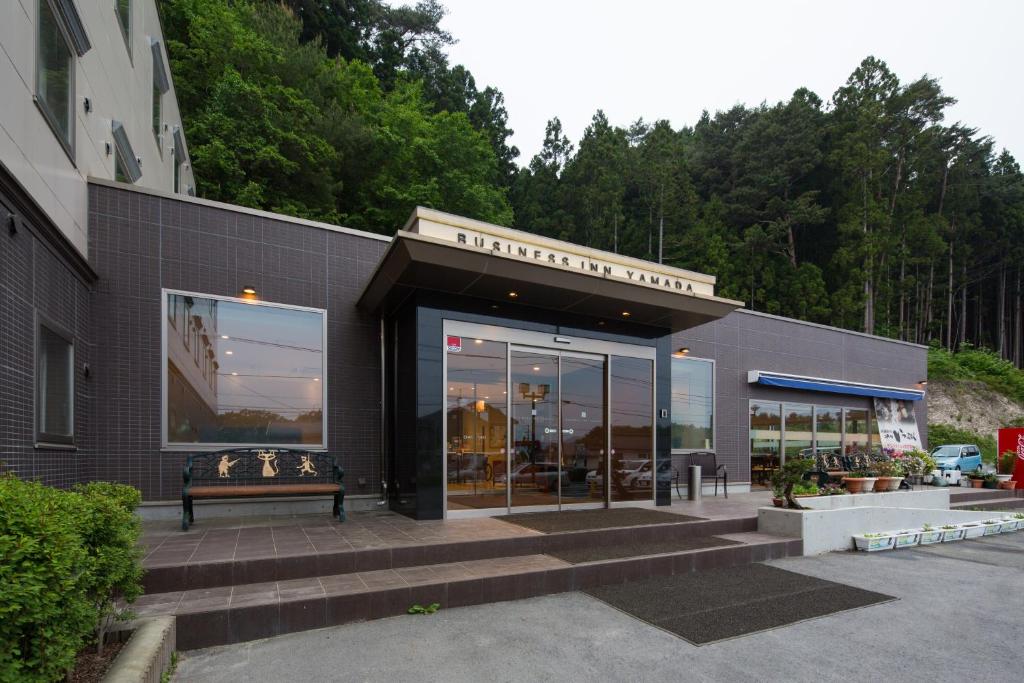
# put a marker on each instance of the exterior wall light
(681, 353)
(248, 292)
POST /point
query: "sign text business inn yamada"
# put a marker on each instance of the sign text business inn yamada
(570, 256)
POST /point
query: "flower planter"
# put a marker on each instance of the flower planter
(992, 529)
(906, 538)
(1008, 524)
(1003, 477)
(977, 483)
(989, 484)
(859, 484)
(1007, 485)
(778, 502)
(887, 484)
(874, 543)
(952, 535)
(932, 536)
(927, 479)
(973, 530)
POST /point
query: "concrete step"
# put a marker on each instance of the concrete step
(965, 495)
(166, 571)
(232, 614)
(997, 503)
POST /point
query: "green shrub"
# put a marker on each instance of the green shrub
(939, 434)
(980, 365)
(65, 555)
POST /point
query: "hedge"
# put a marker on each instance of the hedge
(66, 556)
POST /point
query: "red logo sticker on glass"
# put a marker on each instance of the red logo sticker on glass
(454, 344)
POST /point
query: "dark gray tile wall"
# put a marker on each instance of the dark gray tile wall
(745, 341)
(141, 243)
(33, 279)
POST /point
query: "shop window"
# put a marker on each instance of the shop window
(244, 373)
(858, 431)
(55, 386)
(693, 404)
(765, 441)
(632, 429)
(55, 76)
(828, 430)
(156, 117)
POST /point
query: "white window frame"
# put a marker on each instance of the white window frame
(164, 384)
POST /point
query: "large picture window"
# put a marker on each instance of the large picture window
(55, 386)
(242, 372)
(693, 404)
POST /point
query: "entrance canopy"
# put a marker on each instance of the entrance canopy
(455, 255)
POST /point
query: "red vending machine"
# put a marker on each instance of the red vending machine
(1012, 439)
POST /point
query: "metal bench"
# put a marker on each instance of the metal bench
(260, 472)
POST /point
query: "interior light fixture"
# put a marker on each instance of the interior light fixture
(513, 295)
(316, 379)
(235, 374)
(536, 368)
(478, 341)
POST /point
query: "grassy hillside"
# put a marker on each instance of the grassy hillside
(970, 395)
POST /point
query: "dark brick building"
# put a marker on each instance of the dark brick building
(396, 316)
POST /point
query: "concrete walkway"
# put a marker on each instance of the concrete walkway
(956, 620)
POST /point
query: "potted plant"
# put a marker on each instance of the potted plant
(778, 489)
(833, 490)
(789, 476)
(890, 474)
(1004, 470)
(918, 466)
(930, 534)
(860, 481)
(992, 527)
(972, 530)
(951, 532)
(874, 542)
(977, 479)
(989, 481)
(906, 538)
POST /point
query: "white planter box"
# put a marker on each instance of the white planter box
(929, 537)
(952, 535)
(992, 529)
(1018, 524)
(973, 530)
(1008, 525)
(906, 538)
(874, 543)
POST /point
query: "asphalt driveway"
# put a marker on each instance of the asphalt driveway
(959, 617)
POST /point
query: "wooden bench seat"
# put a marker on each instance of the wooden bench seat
(260, 472)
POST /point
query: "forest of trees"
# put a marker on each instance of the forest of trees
(869, 211)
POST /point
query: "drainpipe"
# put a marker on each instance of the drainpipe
(383, 421)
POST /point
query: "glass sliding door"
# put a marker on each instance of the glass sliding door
(583, 427)
(632, 429)
(536, 473)
(765, 442)
(476, 411)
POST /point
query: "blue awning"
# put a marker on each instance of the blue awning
(834, 386)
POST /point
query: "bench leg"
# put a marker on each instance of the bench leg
(339, 502)
(725, 483)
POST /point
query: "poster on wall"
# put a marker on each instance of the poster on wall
(897, 425)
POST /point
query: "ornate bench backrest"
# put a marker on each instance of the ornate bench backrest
(236, 466)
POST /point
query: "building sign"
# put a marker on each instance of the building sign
(454, 344)
(897, 425)
(520, 246)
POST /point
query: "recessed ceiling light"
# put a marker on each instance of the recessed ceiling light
(600, 323)
(536, 368)
(234, 373)
(316, 379)
(486, 397)
(229, 353)
(494, 307)
(625, 314)
(478, 341)
(513, 295)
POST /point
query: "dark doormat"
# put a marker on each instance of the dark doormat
(636, 549)
(583, 520)
(705, 607)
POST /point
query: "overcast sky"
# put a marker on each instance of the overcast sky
(673, 59)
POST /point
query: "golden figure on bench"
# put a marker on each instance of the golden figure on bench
(306, 467)
(268, 458)
(225, 465)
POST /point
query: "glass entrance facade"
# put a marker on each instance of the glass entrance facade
(529, 428)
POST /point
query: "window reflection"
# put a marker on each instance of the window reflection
(476, 417)
(765, 441)
(632, 411)
(857, 432)
(243, 373)
(827, 430)
(798, 430)
(692, 404)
